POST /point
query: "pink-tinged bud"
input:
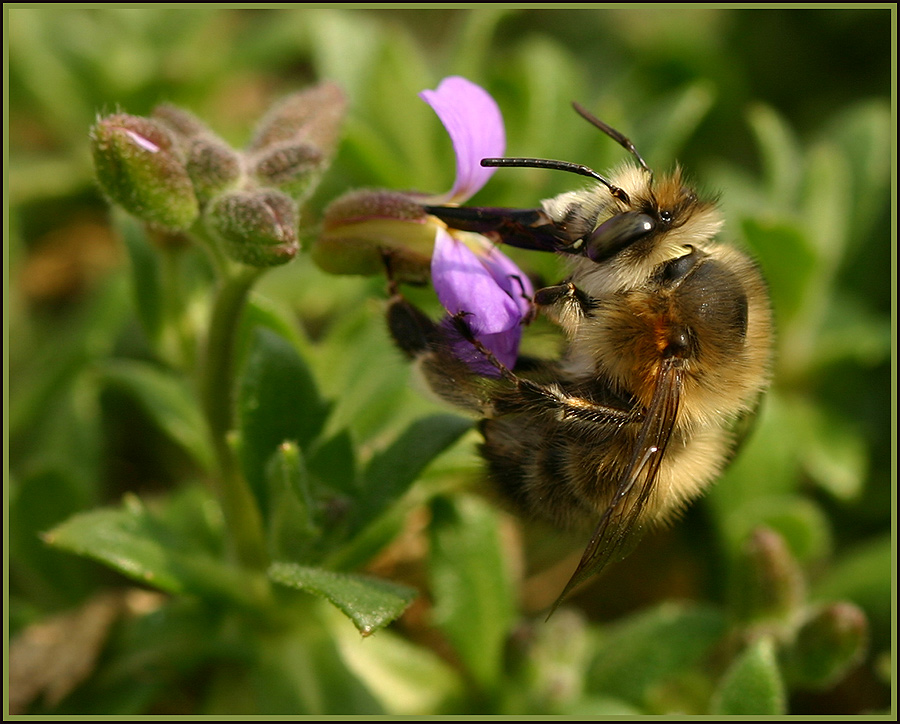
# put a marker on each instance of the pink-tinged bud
(212, 166)
(769, 583)
(258, 228)
(363, 231)
(313, 116)
(827, 645)
(291, 167)
(140, 168)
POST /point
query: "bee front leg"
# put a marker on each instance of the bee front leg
(565, 304)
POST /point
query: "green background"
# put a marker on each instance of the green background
(786, 113)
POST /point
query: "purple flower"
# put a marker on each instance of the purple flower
(475, 125)
(471, 277)
(473, 280)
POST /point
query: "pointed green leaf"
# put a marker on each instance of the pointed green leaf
(752, 685)
(167, 400)
(643, 653)
(390, 473)
(334, 462)
(145, 273)
(474, 598)
(788, 262)
(291, 523)
(407, 679)
(142, 546)
(370, 603)
(780, 152)
(278, 401)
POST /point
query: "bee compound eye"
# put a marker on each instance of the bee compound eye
(617, 233)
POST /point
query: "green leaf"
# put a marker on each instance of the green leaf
(278, 401)
(166, 399)
(151, 655)
(291, 518)
(289, 670)
(407, 679)
(36, 503)
(145, 272)
(369, 602)
(370, 384)
(474, 598)
(788, 261)
(827, 210)
(642, 654)
(390, 473)
(835, 455)
(676, 121)
(334, 462)
(864, 132)
(781, 154)
(142, 546)
(766, 468)
(752, 685)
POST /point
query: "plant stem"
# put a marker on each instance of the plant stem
(242, 515)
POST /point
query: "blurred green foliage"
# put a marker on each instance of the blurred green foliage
(786, 112)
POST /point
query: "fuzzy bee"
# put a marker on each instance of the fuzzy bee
(667, 351)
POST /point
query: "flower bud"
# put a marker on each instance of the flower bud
(313, 116)
(828, 644)
(361, 228)
(258, 228)
(212, 166)
(179, 121)
(140, 168)
(291, 167)
(769, 583)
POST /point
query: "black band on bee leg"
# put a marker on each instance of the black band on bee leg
(462, 327)
(413, 331)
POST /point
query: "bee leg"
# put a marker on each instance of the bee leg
(565, 304)
(568, 408)
(459, 322)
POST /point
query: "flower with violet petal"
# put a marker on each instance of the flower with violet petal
(470, 276)
(472, 279)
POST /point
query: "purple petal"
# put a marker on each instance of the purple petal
(464, 284)
(509, 278)
(475, 124)
(503, 345)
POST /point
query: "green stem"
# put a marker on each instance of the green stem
(242, 515)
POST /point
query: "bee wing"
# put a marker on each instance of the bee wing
(617, 525)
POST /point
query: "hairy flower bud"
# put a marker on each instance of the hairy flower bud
(769, 585)
(827, 645)
(291, 167)
(258, 228)
(212, 166)
(312, 116)
(183, 123)
(362, 228)
(140, 167)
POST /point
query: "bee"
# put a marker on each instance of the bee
(667, 351)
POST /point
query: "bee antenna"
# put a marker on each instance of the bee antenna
(576, 168)
(615, 135)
